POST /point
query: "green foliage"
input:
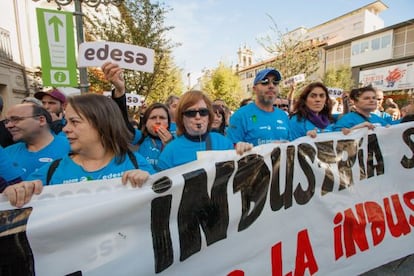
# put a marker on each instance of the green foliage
(339, 78)
(294, 55)
(223, 83)
(142, 23)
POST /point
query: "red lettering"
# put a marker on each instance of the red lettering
(305, 259)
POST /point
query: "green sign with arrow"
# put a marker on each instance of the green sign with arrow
(57, 48)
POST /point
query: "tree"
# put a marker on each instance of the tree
(293, 54)
(223, 83)
(339, 78)
(142, 23)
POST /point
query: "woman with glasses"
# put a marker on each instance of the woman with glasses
(100, 149)
(155, 134)
(313, 112)
(194, 120)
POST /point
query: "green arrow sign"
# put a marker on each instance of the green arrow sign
(57, 48)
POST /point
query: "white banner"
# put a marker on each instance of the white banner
(131, 99)
(334, 205)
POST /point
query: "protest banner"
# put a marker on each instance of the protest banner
(333, 205)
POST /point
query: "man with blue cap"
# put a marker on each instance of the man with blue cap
(260, 122)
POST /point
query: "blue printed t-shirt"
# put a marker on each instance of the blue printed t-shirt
(253, 125)
(299, 128)
(352, 119)
(182, 150)
(70, 172)
(30, 161)
(9, 172)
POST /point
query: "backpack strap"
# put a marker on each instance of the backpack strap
(51, 170)
(133, 159)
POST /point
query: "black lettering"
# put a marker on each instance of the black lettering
(160, 225)
(252, 180)
(116, 54)
(345, 166)
(276, 199)
(129, 57)
(197, 209)
(89, 54)
(362, 171)
(406, 162)
(290, 166)
(102, 53)
(141, 59)
(326, 157)
(374, 150)
(305, 151)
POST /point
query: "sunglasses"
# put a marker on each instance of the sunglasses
(192, 113)
(267, 81)
(281, 105)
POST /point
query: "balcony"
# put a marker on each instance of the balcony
(5, 45)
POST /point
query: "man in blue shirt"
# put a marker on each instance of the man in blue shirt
(260, 122)
(36, 144)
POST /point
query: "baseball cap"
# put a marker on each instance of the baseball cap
(263, 74)
(55, 93)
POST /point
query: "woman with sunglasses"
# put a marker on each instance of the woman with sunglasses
(155, 133)
(313, 112)
(194, 119)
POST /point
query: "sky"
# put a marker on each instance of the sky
(211, 31)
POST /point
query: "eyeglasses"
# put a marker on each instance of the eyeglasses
(267, 81)
(192, 113)
(281, 105)
(16, 119)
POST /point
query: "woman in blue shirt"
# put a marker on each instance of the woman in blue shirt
(194, 119)
(313, 112)
(100, 149)
(155, 132)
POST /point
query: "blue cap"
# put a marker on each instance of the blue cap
(263, 74)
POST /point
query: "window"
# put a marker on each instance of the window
(386, 41)
(375, 44)
(364, 46)
(355, 50)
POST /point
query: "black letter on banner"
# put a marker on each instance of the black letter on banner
(345, 166)
(362, 172)
(373, 148)
(160, 225)
(16, 256)
(276, 199)
(290, 166)
(303, 196)
(197, 209)
(405, 161)
(326, 156)
(252, 180)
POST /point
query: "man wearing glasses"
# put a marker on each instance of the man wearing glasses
(36, 145)
(260, 122)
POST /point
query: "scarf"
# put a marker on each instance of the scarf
(320, 121)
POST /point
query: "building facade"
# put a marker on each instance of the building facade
(359, 40)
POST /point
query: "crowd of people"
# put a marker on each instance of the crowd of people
(51, 139)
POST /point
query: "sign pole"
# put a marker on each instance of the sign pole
(83, 74)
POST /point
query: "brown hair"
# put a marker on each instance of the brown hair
(106, 117)
(188, 99)
(300, 106)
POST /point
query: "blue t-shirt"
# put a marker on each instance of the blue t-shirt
(70, 172)
(182, 150)
(30, 161)
(10, 172)
(299, 128)
(253, 125)
(151, 149)
(173, 129)
(352, 119)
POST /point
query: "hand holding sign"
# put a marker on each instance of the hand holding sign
(126, 55)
